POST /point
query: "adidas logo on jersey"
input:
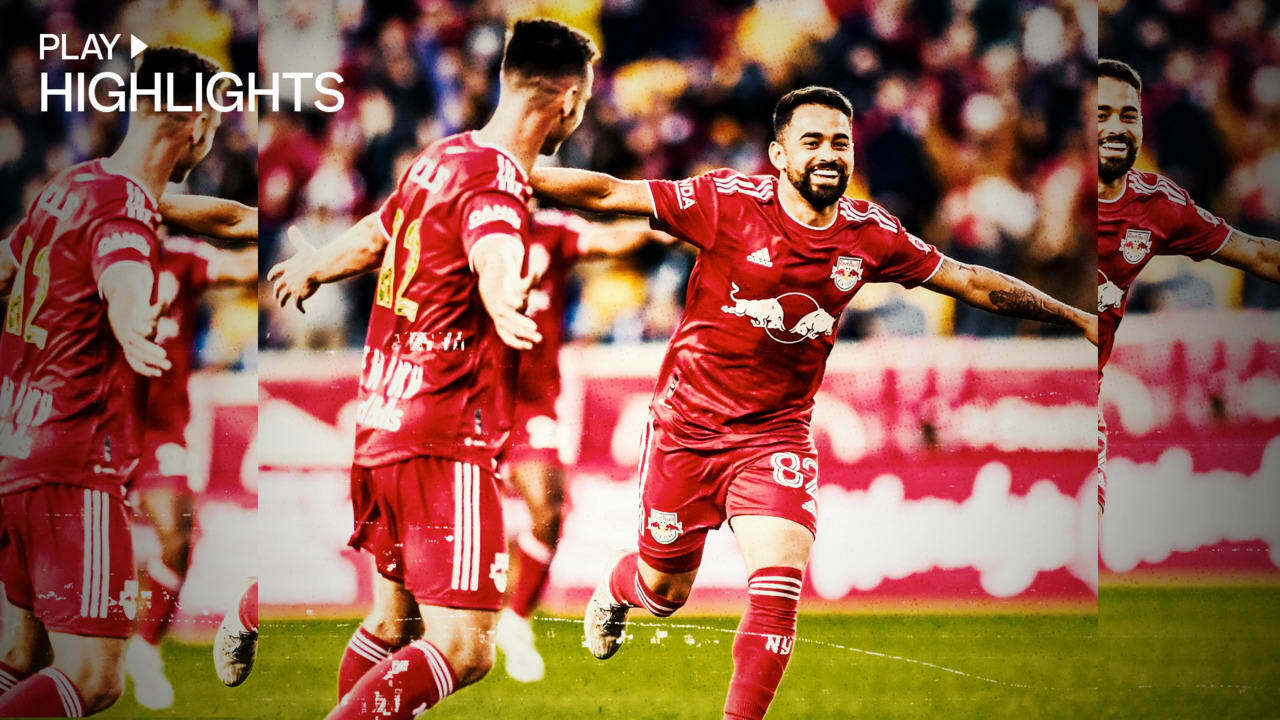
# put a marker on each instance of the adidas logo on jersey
(761, 257)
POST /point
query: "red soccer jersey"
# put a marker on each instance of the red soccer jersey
(763, 300)
(183, 275)
(554, 244)
(1153, 216)
(70, 406)
(436, 378)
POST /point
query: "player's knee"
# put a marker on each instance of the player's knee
(547, 520)
(471, 662)
(391, 631)
(99, 686)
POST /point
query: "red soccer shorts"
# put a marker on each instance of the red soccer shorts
(164, 463)
(435, 525)
(69, 559)
(684, 492)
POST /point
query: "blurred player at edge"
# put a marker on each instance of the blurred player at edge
(437, 385)
(557, 240)
(1141, 215)
(162, 495)
(79, 271)
(780, 258)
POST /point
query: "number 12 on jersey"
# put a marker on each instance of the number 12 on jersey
(13, 317)
(397, 302)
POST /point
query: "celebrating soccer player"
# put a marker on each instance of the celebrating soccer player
(80, 274)
(438, 380)
(1141, 215)
(729, 438)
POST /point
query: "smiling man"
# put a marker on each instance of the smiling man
(728, 438)
(1141, 215)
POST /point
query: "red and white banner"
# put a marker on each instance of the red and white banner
(1192, 401)
(951, 470)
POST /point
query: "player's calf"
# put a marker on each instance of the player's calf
(764, 641)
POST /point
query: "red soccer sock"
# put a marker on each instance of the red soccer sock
(165, 586)
(531, 577)
(626, 587)
(248, 608)
(764, 640)
(48, 693)
(401, 687)
(364, 650)
(10, 677)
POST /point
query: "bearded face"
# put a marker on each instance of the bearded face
(816, 154)
(1119, 128)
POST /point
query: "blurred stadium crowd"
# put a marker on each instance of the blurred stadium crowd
(1211, 105)
(35, 145)
(972, 125)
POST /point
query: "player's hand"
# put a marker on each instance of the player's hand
(291, 279)
(134, 331)
(1090, 328)
(504, 299)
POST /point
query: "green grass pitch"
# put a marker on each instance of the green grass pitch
(1160, 652)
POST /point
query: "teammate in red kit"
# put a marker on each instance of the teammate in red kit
(186, 268)
(79, 272)
(557, 240)
(437, 386)
(729, 438)
(1141, 215)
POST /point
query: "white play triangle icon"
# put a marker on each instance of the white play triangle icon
(136, 46)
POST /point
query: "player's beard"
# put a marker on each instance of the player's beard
(1112, 169)
(820, 198)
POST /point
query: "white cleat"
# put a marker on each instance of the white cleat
(515, 639)
(234, 649)
(603, 622)
(143, 663)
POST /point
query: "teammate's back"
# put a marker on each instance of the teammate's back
(436, 377)
(69, 400)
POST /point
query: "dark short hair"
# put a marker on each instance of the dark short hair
(542, 48)
(182, 64)
(1120, 71)
(811, 95)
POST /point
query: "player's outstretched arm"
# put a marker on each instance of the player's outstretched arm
(1255, 255)
(126, 286)
(356, 251)
(496, 260)
(215, 217)
(597, 192)
(996, 292)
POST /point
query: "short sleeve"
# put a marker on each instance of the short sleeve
(387, 216)
(686, 208)
(120, 240)
(909, 261)
(492, 212)
(571, 232)
(13, 243)
(1199, 234)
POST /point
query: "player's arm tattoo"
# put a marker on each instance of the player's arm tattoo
(996, 292)
(1255, 255)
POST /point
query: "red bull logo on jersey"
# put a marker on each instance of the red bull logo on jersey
(1135, 245)
(774, 315)
(1109, 294)
(665, 527)
(847, 272)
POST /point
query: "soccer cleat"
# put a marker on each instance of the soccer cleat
(234, 649)
(143, 663)
(603, 622)
(515, 639)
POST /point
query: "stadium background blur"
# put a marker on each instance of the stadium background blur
(969, 123)
(35, 145)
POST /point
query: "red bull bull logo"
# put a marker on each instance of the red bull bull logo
(1135, 245)
(846, 272)
(769, 314)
